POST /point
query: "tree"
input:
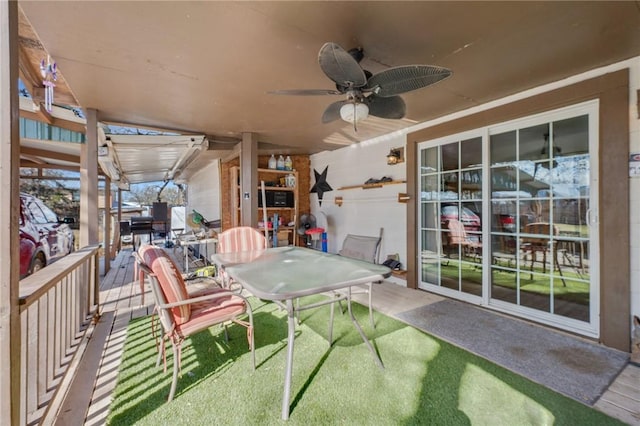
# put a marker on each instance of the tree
(52, 192)
(147, 194)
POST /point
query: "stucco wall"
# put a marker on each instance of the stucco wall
(364, 211)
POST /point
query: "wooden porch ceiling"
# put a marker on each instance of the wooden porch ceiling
(206, 67)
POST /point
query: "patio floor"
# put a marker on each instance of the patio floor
(121, 301)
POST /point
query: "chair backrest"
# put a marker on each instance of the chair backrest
(241, 238)
(457, 233)
(545, 231)
(362, 247)
(166, 318)
(170, 280)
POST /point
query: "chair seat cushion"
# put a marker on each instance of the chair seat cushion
(206, 313)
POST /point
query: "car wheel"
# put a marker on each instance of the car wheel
(36, 265)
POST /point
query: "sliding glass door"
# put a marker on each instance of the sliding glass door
(451, 210)
(507, 217)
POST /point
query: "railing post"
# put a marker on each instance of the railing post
(10, 325)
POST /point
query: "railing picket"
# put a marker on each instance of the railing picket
(56, 305)
(43, 307)
(32, 361)
(23, 370)
(51, 341)
(57, 332)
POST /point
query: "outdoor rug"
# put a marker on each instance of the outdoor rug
(579, 369)
(425, 380)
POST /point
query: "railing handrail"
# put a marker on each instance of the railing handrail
(36, 285)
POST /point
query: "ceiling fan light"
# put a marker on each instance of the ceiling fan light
(354, 112)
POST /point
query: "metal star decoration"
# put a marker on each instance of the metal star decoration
(321, 186)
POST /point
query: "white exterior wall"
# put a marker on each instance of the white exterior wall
(355, 164)
(364, 211)
(204, 191)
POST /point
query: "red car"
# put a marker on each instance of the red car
(43, 238)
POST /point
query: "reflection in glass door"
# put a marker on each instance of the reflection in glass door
(506, 218)
(540, 194)
(451, 203)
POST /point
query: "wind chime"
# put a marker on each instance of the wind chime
(49, 73)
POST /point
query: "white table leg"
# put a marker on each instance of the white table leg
(364, 337)
(289, 368)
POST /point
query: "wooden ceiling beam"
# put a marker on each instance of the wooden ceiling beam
(43, 153)
(25, 163)
(31, 158)
(43, 116)
(31, 78)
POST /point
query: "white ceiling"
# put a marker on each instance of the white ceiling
(206, 67)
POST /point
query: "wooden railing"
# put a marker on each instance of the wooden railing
(57, 305)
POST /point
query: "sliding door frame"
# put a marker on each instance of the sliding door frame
(612, 92)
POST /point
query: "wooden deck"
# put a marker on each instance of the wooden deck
(121, 301)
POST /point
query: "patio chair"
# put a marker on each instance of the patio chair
(365, 248)
(198, 285)
(458, 238)
(240, 238)
(540, 241)
(182, 315)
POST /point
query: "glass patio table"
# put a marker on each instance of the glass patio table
(285, 274)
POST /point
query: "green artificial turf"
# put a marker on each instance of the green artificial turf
(425, 380)
(574, 288)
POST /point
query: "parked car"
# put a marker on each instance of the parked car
(43, 238)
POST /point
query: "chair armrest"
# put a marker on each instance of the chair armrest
(191, 300)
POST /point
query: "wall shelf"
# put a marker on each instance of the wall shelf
(372, 185)
(288, 214)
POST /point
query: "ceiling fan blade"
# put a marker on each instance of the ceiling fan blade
(389, 107)
(397, 80)
(340, 66)
(305, 92)
(332, 112)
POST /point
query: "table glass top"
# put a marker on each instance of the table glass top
(289, 272)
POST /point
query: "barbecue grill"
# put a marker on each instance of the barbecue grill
(141, 225)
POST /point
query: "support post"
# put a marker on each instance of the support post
(89, 182)
(10, 340)
(249, 180)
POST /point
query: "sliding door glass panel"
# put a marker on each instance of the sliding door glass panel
(539, 203)
(430, 257)
(502, 148)
(451, 208)
(535, 291)
(450, 156)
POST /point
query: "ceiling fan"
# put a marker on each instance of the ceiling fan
(366, 93)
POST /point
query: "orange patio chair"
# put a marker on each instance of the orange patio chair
(197, 286)
(457, 237)
(240, 238)
(182, 315)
